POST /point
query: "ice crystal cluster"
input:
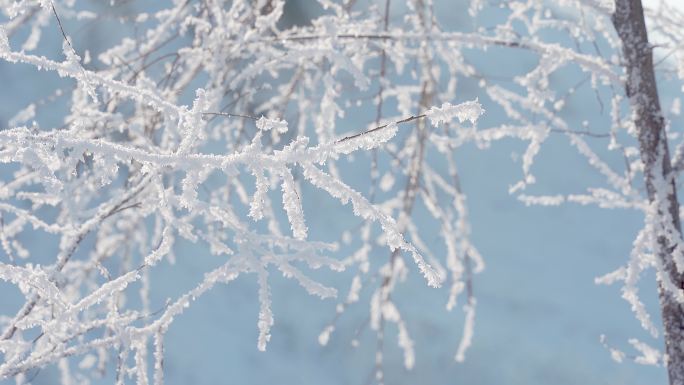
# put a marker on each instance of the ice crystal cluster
(212, 121)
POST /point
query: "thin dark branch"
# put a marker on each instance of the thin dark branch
(378, 128)
(59, 22)
(231, 115)
(580, 132)
(389, 36)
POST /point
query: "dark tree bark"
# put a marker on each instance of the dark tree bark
(642, 91)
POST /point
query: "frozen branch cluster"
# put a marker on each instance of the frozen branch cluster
(215, 119)
(210, 127)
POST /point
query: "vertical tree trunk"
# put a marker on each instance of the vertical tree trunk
(629, 23)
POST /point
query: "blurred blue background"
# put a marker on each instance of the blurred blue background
(539, 313)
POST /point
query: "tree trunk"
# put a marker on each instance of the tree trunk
(642, 91)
